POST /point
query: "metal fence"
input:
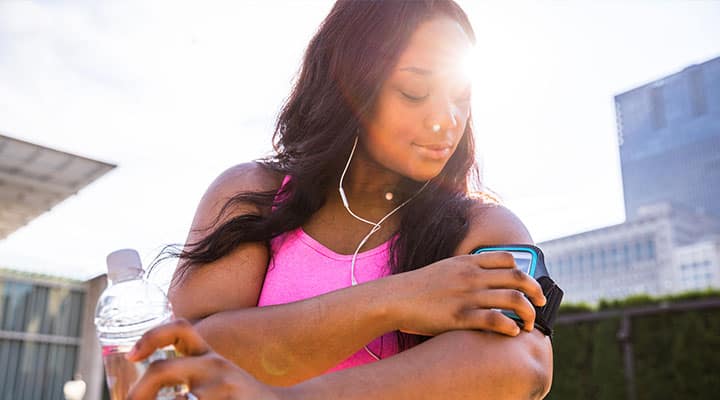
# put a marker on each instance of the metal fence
(40, 329)
(624, 334)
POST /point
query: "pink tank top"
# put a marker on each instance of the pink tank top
(301, 268)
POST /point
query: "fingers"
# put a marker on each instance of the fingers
(208, 376)
(511, 300)
(491, 320)
(504, 261)
(513, 279)
(499, 284)
(497, 271)
(164, 373)
(179, 333)
(493, 259)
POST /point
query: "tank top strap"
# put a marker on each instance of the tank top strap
(278, 196)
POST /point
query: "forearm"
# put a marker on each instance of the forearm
(454, 365)
(285, 344)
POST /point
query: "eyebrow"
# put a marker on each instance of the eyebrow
(417, 70)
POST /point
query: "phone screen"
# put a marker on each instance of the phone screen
(525, 260)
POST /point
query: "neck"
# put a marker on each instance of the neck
(369, 183)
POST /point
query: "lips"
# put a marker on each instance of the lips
(435, 151)
(439, 146)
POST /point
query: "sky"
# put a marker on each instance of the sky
(176, 92)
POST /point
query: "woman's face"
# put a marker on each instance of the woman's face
(423, 106)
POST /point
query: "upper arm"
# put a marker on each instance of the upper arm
(233, 281)
(492, 224)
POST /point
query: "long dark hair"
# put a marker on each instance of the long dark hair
(344, 67)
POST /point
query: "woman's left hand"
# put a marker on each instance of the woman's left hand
(208, 375)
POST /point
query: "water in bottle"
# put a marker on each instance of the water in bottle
(129, 307)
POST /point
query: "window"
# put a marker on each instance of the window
(638, 251)
(579, 262)
(651, 249)
(626, 253)
(697, 91)
(658, 106)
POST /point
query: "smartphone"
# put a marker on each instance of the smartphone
(528, 259)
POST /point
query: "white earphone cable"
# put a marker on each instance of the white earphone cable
(375, 225)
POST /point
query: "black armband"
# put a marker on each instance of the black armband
(530, 259)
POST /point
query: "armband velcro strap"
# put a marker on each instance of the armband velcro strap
(545, 316)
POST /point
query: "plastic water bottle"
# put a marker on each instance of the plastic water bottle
(129, 307)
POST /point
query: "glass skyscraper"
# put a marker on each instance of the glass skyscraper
(669, 135)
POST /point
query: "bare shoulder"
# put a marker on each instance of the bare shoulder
(245, 177)
(234, 280)
(250, 176)
(492, 224)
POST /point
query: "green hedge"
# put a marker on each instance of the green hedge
(676, 354)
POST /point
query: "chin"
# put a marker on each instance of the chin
(425, 174)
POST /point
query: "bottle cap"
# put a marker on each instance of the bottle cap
(123, 264)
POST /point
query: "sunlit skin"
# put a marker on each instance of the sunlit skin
(428, 86)
(475, 352)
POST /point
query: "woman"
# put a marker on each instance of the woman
(336, 254)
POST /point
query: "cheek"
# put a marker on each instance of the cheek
(393, 124)
(388, 148)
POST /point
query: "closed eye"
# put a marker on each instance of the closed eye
(413, 98)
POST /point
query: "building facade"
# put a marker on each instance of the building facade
(47, 335)
(666, 249)
(697, 265)
(669, 135)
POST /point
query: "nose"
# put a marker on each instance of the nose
(442, 116)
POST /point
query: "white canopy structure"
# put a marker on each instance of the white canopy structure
(33, 179)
